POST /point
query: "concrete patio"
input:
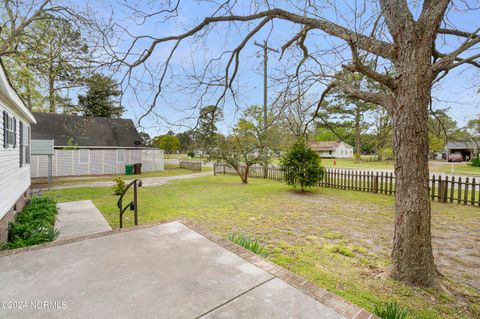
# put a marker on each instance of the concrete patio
(161, 271)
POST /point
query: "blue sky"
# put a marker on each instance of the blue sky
(459, 91)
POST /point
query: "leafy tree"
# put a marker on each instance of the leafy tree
(186, 141)
(246, 146)
(58, 56)
(146, 139)
(101, 97)
(206, 132)
(270, 138)
(352, 110)
(301, 166)
(168, 143)
(48, 61)
(441, 128)
(26, 81)
(238, 151)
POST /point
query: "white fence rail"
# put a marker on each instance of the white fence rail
(84, 162)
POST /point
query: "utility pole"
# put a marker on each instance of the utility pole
(265, 48)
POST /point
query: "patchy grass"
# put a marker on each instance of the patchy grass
(340, 240)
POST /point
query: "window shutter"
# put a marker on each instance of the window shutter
(21, 142)
(14, 132)
(5, 123)
(27, 150)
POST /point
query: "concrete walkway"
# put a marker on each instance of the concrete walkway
(147, 182)
(161, 271)
(79, 218)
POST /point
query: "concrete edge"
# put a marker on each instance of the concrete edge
(340, 305)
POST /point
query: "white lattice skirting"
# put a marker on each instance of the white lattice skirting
(85, 162)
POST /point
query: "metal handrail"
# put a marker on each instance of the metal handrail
(133, 204)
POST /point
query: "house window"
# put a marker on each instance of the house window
(22, 151)
(120, 155)
(9, 131)
(24, 139)
(84, 156)
(27, 145)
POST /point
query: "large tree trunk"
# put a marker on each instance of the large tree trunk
(245, 174)
(412, 255)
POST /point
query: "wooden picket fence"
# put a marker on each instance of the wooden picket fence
(454, 189)
(195, 166)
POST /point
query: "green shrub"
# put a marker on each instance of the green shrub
(191, 154)
(391, 310)
(35, 224)
(475, 162)
(119, 186)
(246, 242)
(301, 166)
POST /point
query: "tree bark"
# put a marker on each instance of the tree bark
(245, 174)
(51, 95)
(412, 257)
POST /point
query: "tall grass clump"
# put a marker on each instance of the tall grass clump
(249, 243)
(391, 310)
(35, 224)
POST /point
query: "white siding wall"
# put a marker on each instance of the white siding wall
(325, 154)
(14, 180)
(343, 151)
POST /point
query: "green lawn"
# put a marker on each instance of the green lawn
(170, 170)
(340, 240)
(459, 169)
(350, 163)
(184, 157)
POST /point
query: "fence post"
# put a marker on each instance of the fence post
(440, 188)
(452, 189)
(465, 193)
(375, 183)
(445, 190)
(433, 188)
(214, 169)
(459, 193)
(473, 192)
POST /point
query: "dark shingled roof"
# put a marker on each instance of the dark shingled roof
(85, 130)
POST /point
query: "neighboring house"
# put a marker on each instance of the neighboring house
(467, 149)
(15, 121)
(87, 145)
(332, 149)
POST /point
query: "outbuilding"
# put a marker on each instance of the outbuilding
(466, 149)
(88, 145)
